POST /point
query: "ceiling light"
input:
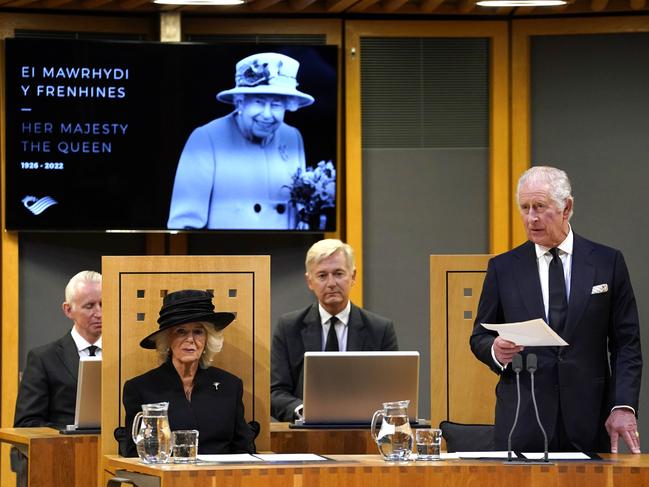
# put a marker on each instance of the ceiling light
(520, 3)
(199, 2)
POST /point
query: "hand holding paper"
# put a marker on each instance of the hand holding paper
(504, 350)
(532, 333)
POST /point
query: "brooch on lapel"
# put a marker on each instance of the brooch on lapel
(216, 386)
(283, 151)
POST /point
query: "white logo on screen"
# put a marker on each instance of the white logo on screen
(38, 206)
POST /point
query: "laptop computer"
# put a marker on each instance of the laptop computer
(87, 414)
(346, 388)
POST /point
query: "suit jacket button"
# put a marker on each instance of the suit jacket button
(257, 207)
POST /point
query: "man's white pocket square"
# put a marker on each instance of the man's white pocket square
(599, 289)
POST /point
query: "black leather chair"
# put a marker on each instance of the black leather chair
(468, 437)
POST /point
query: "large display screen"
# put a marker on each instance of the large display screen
(156, 136)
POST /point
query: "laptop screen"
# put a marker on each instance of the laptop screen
(87, 413)
(347, 387)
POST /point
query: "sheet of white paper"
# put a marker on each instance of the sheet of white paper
(290, 457)
(234, 457)
(557, 456)
(449, 456)
(482, 454)
(532, 333)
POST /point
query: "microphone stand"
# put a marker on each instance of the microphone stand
(531, 368)
(517, 366)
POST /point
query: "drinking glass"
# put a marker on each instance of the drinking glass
(429, 443)
(185, 446)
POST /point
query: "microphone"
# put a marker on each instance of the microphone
(532, 366)
(517, 366)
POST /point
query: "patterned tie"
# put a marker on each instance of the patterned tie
(91, 350)
(332, 338)
(558, 301)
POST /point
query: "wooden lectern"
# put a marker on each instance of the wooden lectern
(462, 388)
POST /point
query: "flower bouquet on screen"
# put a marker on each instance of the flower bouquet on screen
(313, 195)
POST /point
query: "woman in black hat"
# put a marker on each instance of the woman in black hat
(200, 397)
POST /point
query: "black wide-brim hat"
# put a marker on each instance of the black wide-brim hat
(188, 306)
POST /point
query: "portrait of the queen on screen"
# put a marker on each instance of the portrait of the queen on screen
(238, 171)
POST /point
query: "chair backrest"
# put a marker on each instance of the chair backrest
(133, 290)
(467, 437)
(462, 387)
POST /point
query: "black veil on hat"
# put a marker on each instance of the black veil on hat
(188, 306)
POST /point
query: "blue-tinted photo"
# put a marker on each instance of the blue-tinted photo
(236, 172)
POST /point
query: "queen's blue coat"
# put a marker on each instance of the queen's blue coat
(225, 181)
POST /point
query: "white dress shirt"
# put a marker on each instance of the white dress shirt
(543, 259)
(341, 326)
(83, 344)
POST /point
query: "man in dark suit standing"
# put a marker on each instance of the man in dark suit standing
(331, 324)
(582, 289)
(47, 392)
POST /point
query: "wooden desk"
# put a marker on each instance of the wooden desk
(321, 441)
(371, 471)
(56, 459)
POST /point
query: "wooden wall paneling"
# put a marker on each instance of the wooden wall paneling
(499, 144)
(9, 361)
(124, 24)
(155, 244)
(520, 122)
(8, 303)
(522, 31)
(353, 155)
(462, 388)
(332, 28)
(497, 32)
(133, 289)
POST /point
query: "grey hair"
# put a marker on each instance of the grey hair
(329, 246)
(213, 344)
(292, 102)
(83, 276)
(560, 189)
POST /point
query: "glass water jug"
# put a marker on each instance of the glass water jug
(152, 435)
(394, 438)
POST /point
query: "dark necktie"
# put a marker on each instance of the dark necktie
(558, 301)
(332, 338)
(92, 349)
